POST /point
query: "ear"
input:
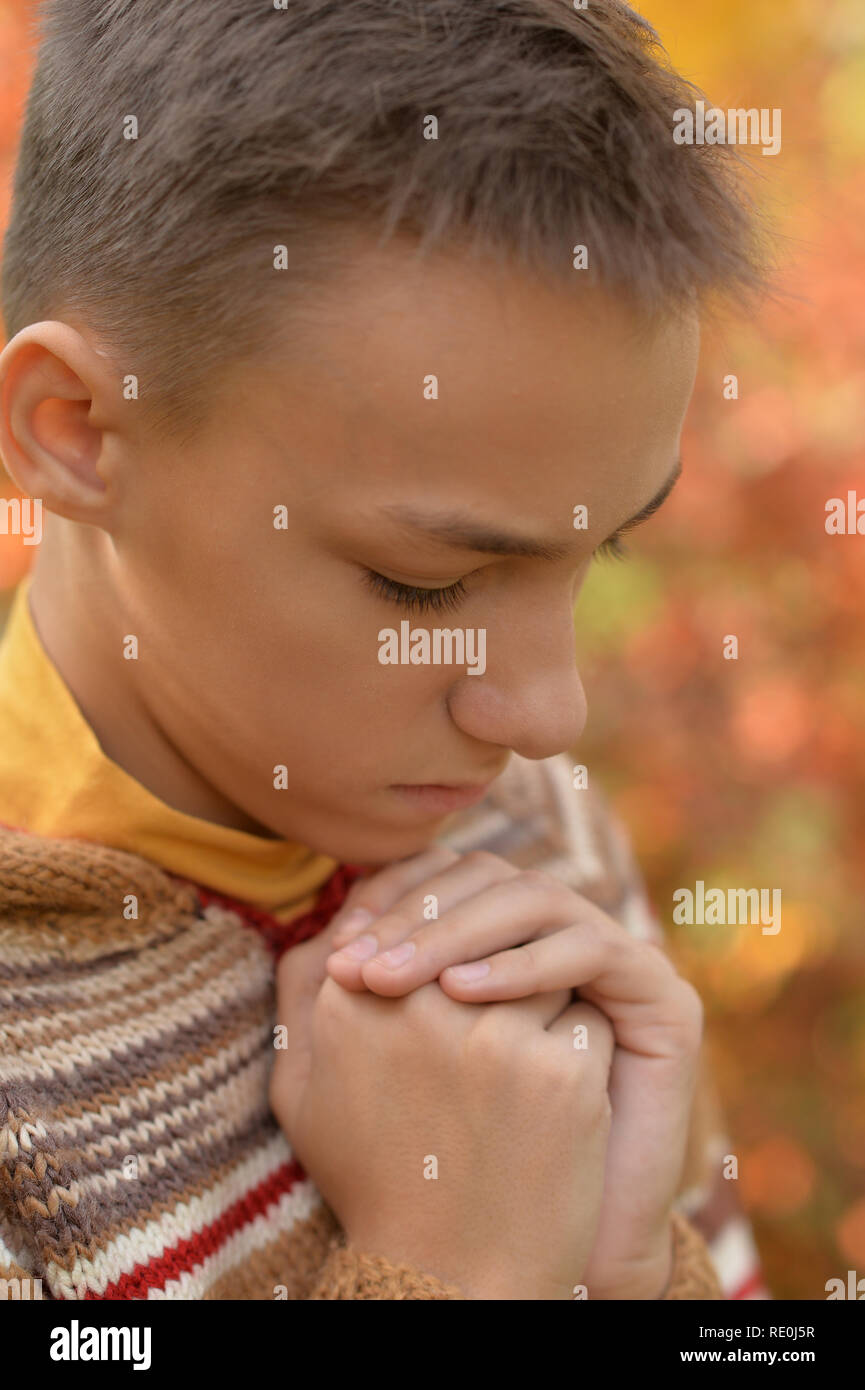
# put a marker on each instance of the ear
(58, 399)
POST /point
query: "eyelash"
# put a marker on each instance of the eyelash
(612, 548)
(416, 600)
(440, 600)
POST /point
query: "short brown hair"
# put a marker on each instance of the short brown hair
(261, 126)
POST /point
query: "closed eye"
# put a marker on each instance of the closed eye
(413, 599)
(612, 548)
(449, 598)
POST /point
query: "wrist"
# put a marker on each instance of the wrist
(647, 1277)
(494, 1280)
(668, 1263)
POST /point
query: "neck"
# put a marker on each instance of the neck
(76, 605)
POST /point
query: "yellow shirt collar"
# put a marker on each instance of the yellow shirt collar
(56, 781)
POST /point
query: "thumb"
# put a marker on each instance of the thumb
(300, 974)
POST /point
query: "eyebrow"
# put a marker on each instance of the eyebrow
(464, 534)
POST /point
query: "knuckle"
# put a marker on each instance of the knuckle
(432, 1022)
(409, 873)
(485, 859)
(420, 1009)
(368, 893)
(425, 1001)
(444, 856)
(597, 1107)
(331, 1001)
(487, 1041)
(380, 891)
(617, 937)
(374, 897)
(524, 961)
(417, 867)
(536, 880)
(540, 884)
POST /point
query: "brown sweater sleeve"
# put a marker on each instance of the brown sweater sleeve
(694, 1275)
(350, 1274)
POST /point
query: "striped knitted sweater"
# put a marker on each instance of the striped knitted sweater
(139, 1158)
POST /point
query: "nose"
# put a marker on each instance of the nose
(530, 698)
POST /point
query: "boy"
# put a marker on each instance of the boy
(341, 339)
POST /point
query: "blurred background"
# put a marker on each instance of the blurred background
(745, 773)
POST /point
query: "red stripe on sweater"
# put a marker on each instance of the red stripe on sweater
(279, 936)
(183, 1257)
(753, 1284)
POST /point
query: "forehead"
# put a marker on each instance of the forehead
(461, 377)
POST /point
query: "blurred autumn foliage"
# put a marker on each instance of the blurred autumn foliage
(16, 62)
(748, 772)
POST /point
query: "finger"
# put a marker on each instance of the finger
(511, 910)
(551, 1020)
(299, 976)
(379, 891)
(536, 1013)
(590, 1034)
(457, 883)
(654, 1011)
(651, 1007)
(296, 993)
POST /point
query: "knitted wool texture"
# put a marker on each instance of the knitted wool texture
(138, 1155)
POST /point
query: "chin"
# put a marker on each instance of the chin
(369, 847)
(387, 848)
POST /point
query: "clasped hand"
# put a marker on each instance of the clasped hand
(501, 933)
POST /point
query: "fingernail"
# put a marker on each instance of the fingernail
(361, 948)
(398, 956)
(354, 922)
(475, 970)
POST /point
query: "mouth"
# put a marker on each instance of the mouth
(439, 798)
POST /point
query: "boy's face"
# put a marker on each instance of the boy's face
(259, 646)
